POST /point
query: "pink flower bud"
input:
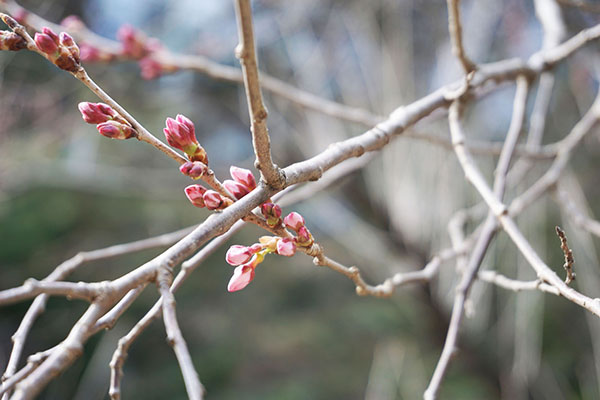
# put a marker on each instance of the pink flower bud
(256, 247)
(243, 176)
(133, 42)
(180, 133)
(11, 41)
(67, 41)
(194, 194)
(286, 247)
(304, 237)
(115, 130)
(212, 200)
(242, 276)
(235, 188)
(193, 169)
(272, 212)
(96, 113)
(52, 34)
(294, 221)
(46, 44)
(237, 255)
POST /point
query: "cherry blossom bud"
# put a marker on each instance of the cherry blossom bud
(235, 188)
(67, 41)
(180, 133)
(256, 247)
(213, 200)
(294, 221)
(242, 276)
(243, 176)
(11, 41)
(238, 255)
(272, 212)
(115, 130)
(49, 32)
(194, 194)
(150, 68)
(286, 247)
(96, 113)
(193, 169)
(46, 44)
(304, 237)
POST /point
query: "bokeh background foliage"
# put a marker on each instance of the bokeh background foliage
(298, 331)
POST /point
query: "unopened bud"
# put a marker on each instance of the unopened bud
(304, 237)
(115, 130)
(237, 255)
(235, 188)
(96, 113)
(194, 194)
(243, 176)
(272, 213)
(46, 44)
(286, 247)
(294, 221)
(193, 169)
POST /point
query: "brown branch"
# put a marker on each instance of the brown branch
(568, 265)
(246, 53)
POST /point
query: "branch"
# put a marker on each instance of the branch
(193, 386)
(455, 28)
(515, 285)
(246, 53)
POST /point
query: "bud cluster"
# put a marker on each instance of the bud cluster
(108, 122)
(60, 49)
(201, 197)
(247, 258)
(11, 41)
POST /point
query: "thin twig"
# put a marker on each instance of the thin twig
(568, 265)
(455, 28)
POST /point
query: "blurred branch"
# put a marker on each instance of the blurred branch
(175, 338)
(455, 28)
(577, 216)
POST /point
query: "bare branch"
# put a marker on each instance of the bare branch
(576, 215)
(515, 285)
(246, 53)
(455, 28)
(194, 388)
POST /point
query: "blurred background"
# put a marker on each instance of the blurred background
(298, 331)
